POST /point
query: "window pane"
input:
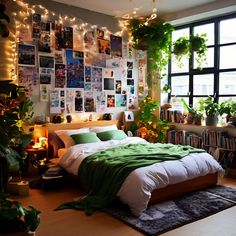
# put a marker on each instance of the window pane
(180, 33)
(177, 104)
(175, 66)
(180, 85)
(227, 99)
(209, 59)
(227, 83)
(227, 31)
(228, 57)
(203, 84)
(207, 29)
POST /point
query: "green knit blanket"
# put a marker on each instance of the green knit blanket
(102, 174)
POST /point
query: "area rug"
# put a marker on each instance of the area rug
(168, 215)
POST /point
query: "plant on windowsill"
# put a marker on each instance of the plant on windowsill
(228, 108)
(184, 47)
(193, 116)
(151, 129)
(211, 110)
(156, 39)
(16, 219)
(15, 112)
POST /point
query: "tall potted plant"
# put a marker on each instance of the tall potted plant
(15, 111)
(211, 110)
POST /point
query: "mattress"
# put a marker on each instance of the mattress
(136, 189)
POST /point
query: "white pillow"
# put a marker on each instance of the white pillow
(65, 135)
(99, 129)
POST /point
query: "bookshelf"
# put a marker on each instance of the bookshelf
(220, 142)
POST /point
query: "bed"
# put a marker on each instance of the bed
(145, 185)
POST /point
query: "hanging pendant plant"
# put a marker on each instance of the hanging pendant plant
(156, 39)
(184, 47)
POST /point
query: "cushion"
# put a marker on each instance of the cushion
(85, 138)
(65, 135)
(99, 129)
(112, 134)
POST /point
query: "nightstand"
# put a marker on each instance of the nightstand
(34, 155)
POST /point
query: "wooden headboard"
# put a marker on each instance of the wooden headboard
(54, 142)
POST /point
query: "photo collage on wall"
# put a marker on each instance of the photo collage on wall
(76, 71)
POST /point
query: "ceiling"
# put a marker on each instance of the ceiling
(120, 8)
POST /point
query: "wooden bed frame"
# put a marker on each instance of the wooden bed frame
(158, 195)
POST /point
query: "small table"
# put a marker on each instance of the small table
(34, 155)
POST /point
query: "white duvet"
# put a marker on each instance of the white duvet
(136, 189)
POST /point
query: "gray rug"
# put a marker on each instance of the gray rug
(168, 215)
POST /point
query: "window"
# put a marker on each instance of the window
(218, 75)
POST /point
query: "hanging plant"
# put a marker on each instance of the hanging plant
(4, 31)
(198, 45)
(166, 88)
(184, 47)
(156, 39)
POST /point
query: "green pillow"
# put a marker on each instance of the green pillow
(112, 134)
(90, 137)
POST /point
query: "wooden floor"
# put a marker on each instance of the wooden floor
(75, 223)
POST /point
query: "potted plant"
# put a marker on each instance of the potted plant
(211, 110)
(15, 111)
(185, 47)
(228, 108)
(16, 219)
(156, 39)
(193, 116)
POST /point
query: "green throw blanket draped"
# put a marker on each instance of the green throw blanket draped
(102, 174)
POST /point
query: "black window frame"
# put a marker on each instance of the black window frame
(215, 70)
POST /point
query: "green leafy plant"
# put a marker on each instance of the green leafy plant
(156, 39)
(156, 130)
(185, 47)
(166, 88)
(228, 108)
(15, 112)
(16, 218)
(208, 106)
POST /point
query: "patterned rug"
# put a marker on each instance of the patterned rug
(168, 215)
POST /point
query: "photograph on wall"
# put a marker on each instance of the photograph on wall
(59, 57)
(129, 73)
(113, 63)
(118, 86)
(125, 50)
(90, 41)
(28, 78)
(78, 54)
(96, 74)
(89, 103)
(130, 81)
(62, 104)
(99, 60)
(55, 107)
(63, 37)
(60, 75)
(132, 103)
(110, 100)
(70, 96)
(75, 71)
(87, 86)
(44, 92)
(79, 101)
(78, 42)
(109, 73)
(44, 43)
(26, 54)
(88, 58)
(101, 102)
(87, 73)
(25, 35)
(116, 45)
(130, 65)
(36, 26)
(121, 100)
(104, 46)
(100, 33)
(46, 61)
(108, 84)
(62, 93)
(131, 89)
(45, 78)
